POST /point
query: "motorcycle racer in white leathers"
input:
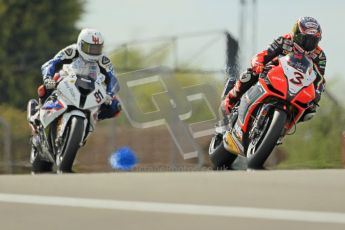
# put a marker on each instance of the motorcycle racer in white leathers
(86, 53)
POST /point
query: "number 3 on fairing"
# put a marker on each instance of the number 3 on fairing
(298, 78)
(99, 96)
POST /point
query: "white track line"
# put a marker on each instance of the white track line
(171, 208)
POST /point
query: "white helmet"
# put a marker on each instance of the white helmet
(90, 44)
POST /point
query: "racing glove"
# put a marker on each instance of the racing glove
(226, 106)
(108, 99)
(49, 83)
(258, 67)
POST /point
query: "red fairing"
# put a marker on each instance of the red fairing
(278, 81)
(306, 95)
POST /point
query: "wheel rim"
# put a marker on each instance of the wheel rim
(215, 142)
(62, 146)
(255, 144)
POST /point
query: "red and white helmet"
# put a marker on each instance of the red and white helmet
(90, 44)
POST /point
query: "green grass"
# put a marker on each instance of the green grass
(200, 112)
(143, 95)
(317, 143)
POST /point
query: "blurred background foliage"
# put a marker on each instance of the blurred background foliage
(33, 31)
(317, 143)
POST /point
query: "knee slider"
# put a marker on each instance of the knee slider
(245, 77)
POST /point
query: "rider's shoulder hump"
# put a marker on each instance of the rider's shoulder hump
(104, 61)
(69, 51)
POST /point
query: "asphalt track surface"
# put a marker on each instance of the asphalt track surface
(302, 199)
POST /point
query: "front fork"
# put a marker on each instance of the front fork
(260, 122)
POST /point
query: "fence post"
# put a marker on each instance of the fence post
(7, 145)
(343, 150)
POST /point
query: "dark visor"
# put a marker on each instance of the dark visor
(308, 42)
(91, 49)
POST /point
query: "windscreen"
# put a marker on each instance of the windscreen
(299, 61)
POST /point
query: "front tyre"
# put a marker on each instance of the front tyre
(266, 146)
(72, 139)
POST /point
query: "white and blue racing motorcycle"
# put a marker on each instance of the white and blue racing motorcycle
(62, 123)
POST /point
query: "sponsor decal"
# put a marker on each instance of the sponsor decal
(322, 62)
(279, 41)
(53, 105)
(70, 89)
(298, 56)
(95, 39)
(277, 78)
(238, 131)
(287, 47)
(311, 25)
(69, 51)
(231, 145)
(298, 78)
(105, 60)
(306, 93)
(322, 56)
(245, 77)
(313, 55)
(311, 31)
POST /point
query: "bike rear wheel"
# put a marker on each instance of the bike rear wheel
(222, 159)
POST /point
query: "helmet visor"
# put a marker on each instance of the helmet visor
(308, 42)
(91, 49)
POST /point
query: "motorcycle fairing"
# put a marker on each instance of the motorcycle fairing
(302, 101)
(65, 119)
(91, 101)
(69, 91)
(248, 100)
(299, 76)
(295, 87)
(232, 144)
(51, 109)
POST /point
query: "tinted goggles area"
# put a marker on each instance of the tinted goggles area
(91, 49)
(307, 41)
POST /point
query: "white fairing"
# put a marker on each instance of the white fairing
(67, 94)
(297, 79)
(65, 118)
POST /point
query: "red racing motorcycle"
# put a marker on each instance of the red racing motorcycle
(265, 113)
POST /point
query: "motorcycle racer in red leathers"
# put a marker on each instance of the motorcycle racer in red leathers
(305, 36)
